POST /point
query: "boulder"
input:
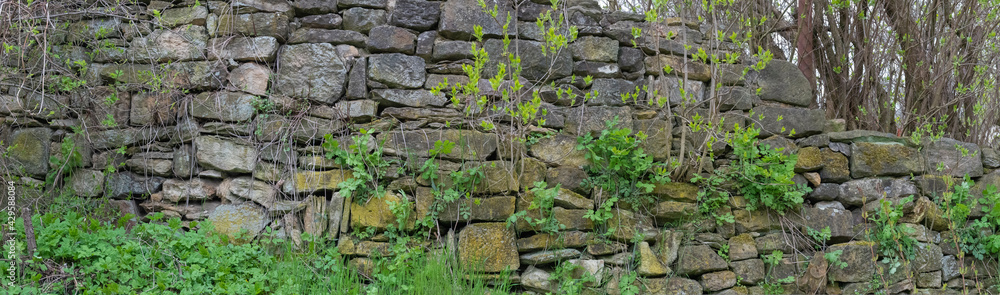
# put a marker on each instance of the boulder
(363, 20)
(600, 49)
(535, 64)
(197, 189)
(376, 212)
(610, 92)
(232, 219)
(417, 98)
(697, 260)
(742, 247)
(335, 37)
(309, 7)
(273, 24)
(29, 150)
(238, 189)
(469, 144)
(458, 17)
(152, 109)
(87, 183)
(885, 159)
(858, 192)
(538, 280)
(389, 39)
(718, 281)
(565, 239)
(488, 247)
(786, 120)
(667, 89)
(125, 185)
(452, 50)
(322, 21)
(418, 15)
(859, 256)
(180, 44)
(559, 150)
(397, 70)
(631, 59)
(251, 78)
(304, 182)
(546, 257)
(224, 106)
(594, 119)
(649, 265)
(224, 155)
(839, 220)
(478, 209)
(150, 166)
(951, 157)
(836, 167)
(782, 81)
(194, 15)
(751, 271)
(312, 71)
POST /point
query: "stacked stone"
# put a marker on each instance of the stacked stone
(319, 67)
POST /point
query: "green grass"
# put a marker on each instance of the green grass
(80, 255)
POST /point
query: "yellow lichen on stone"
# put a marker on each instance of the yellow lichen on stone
(311, 181)
(232, 219)
(488, 247)
(376, 213)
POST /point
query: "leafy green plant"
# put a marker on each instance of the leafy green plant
(65, 164)
(893, 238)
(626, 284)
(619, 166)
(563, 276)
(463, 183)
(820, 236)
(367, 166)
(834, 258)
(543, 201)
(761, 174)
(79, 255)
(773, 285)
(764, 175)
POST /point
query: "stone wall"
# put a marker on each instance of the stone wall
(220, 108)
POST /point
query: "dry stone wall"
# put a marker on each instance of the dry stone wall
(220, 109)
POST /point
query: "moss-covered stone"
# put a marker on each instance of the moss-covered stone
(488, 247)
(836, 168)
(809, 159)
(884, 159)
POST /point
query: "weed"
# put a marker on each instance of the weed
(367, 166)
(619, 166)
